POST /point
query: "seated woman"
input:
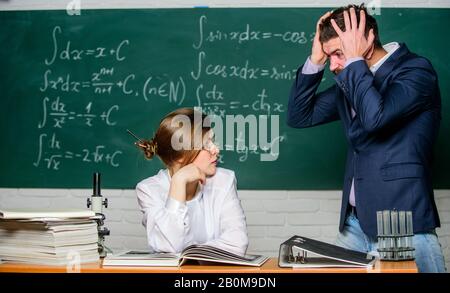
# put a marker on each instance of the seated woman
(192, 201)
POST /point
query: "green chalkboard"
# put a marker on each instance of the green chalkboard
(70, 86)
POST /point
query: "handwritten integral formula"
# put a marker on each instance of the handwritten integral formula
(100, 79)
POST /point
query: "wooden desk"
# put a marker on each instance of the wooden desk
(271, 266)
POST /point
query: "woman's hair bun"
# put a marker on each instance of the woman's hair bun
(149, 147)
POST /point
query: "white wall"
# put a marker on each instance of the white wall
(272, 216)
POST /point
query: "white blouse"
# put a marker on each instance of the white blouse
(213, 217)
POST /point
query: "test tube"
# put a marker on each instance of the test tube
(409, 231)
(394, 224)
(381, 239)
(387, 232)
(402, 226)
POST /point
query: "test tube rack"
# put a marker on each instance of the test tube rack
(395, 235)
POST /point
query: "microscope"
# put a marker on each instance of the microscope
(96, 204)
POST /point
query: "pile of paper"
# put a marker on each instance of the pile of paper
(48, 237)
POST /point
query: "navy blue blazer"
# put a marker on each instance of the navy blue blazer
(391, 138)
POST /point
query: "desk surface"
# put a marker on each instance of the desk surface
(271, 266)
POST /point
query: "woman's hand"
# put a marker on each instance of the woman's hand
(187, 174)
(190, 173)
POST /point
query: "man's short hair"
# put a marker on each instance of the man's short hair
(327, 31)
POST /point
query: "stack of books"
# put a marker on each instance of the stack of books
(48, 237)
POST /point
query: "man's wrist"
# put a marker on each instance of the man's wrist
(317, 62)
(310, 68)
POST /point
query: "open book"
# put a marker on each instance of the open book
(302, 252)
(193, 252)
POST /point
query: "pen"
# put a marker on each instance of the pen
(135, 136)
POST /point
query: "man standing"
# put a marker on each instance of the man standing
(388, 100)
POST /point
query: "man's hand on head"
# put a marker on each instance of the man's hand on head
(318, 56)
(353, 41)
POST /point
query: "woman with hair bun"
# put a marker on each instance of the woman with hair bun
(192, 201)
